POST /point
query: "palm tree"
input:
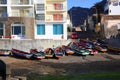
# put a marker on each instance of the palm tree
(99, 9)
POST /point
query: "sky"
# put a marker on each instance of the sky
(81, 3)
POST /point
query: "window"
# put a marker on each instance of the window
(40, 7)
(40, 29)
(57, 29)
(109, 3)
(1, 30)
(3, 2)
(40, 17)
(115, 3)
(58, 17)
(109, 11)
(58, 6)
(18, 29)
(119, 26)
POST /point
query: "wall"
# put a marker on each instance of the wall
(26, 45)
(29, 26)
(49, 32)
(111, 28)
(113, 10)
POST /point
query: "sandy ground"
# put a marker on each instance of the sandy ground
(99, 63)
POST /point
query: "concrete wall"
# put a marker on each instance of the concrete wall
(111, 28)
(26, 45)
(49, 32)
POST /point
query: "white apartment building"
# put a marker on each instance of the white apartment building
(16, 17)
(113, 7)
(51, 18)
(33, 19)
(111, 21)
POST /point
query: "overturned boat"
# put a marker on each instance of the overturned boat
(4, 52)
(20, 54)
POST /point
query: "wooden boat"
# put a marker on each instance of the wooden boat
(37, 55)
(114, 45)
(58, 52)
(78, 50)
(92, 51)
(21, 54)
(114, 48)
(4, 52)
(100, 48)
(49, 53)
(67, 50)
(88, 45)
(102, 42)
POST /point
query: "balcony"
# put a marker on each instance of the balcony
(21, 2)
(51, 19)
(56, 9)
(16, 14)
(3, 16)
(55, 0)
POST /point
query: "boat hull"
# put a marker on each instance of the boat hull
(4, 52)
(21, 54)
(115, 49)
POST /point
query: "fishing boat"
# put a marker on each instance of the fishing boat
(78, 50)
(114, 45)
(4, 52)
(114, 48)
(67, 50)
(102, 42)
(37, 55)
(100, 47)
(58, 52)
(20, 54)
(49, 53)
(88, 45)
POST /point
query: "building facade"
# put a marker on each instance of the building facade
(51, 19)
(33, 19)
(112, 7)
(111, 21)
(16, 17)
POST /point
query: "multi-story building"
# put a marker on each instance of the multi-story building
(16, 19)
(111, 21)
(51, 17)
(33, 19)
(112, 7)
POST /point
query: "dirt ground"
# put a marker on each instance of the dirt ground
(99, 63)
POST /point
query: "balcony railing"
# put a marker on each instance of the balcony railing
(15, 14)
(17, 2)
(3, 14)
(51, 19)
(55, 0)
(53, 8)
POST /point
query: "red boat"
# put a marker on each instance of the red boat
(4, 52)
(49, 53)
(21, 54)
(68, 50)
(58, 52)
(37, 55)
